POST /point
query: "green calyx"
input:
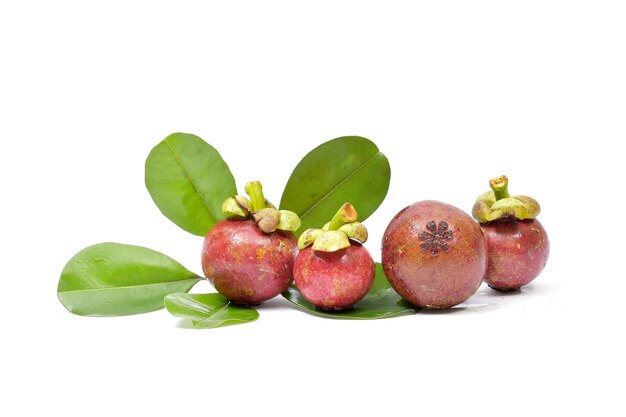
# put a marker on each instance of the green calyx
(336, 234)
(267, 217)
(498, 204)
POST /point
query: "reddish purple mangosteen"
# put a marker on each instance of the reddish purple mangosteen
(434, 254)
(333, 270)
(517, 244)
(249, 257)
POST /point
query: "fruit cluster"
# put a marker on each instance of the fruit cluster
(433, 254)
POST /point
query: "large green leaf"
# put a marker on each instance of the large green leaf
(346, 169)
(208, 311)
(380, 302)
(188, 180)
(112, 279)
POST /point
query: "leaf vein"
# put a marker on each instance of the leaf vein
(127, 287)
(179, 162)
(212, 317)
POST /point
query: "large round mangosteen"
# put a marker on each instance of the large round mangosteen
(249, 257)
(246, 265)
(434, 254)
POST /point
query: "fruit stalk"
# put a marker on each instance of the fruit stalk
(500, 187)
(255, 191)
(345, 214)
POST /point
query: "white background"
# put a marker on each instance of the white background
(453, 93)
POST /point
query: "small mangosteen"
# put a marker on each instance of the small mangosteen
(434, 254)
(517, 244)
(333, 270)
(249, 257)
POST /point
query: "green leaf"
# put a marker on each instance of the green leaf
(380, 302)
(346, 169)
(208, 311)
(188, 180)
(112, 279)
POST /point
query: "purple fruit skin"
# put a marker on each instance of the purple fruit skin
(246, 265)
(518, 251)
(440, 280)
(334, 280)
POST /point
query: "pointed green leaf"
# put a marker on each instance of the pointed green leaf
(380, 302)
(346, 169)
(208, 311)
(112, 279)
(189, 181)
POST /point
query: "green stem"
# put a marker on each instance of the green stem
(255, 191)
(346, 214)
(500, 187)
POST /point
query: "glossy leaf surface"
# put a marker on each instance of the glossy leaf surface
(188, 180)
(113, 279)
(207, 311)
(346, 169)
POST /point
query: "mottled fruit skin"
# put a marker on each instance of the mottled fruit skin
(517, 250)
(334, 280)
(434, 254)
(246, 265)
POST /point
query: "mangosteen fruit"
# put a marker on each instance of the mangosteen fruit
(333, 270)
(517, 243)
(434, 254)
(249, 256)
